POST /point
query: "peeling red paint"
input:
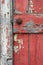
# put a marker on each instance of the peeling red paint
(32, 34)
(3, 1)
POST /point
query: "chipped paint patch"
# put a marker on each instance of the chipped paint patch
(18, 47)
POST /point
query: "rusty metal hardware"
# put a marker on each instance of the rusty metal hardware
(19, 21)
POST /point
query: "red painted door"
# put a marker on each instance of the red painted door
(21, 49)
(20, 6)
(28, 6)
(28, 32)
(28, 49)
(36, 49)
